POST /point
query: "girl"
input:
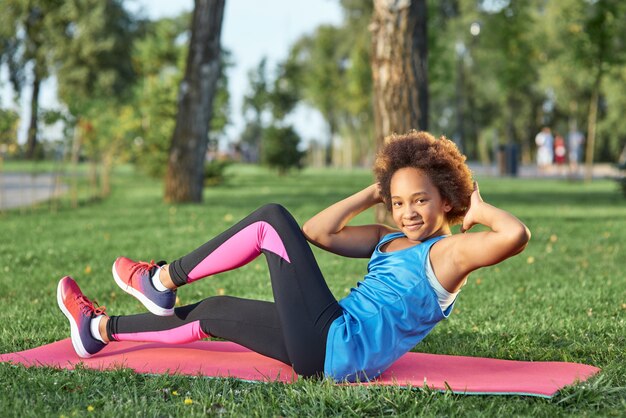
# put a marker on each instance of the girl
(414, 273)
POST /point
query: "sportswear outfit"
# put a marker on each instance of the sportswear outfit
(357, 338)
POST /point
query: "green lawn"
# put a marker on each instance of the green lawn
(562, 299)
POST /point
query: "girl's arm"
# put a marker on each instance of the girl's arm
(466, 252)
(328, 229)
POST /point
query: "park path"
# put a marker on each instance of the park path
(26, 189)
(600, 171)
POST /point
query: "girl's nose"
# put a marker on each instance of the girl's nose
(409, 212)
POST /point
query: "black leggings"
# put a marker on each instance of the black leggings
(292, 329)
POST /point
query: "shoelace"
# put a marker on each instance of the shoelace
(88, 308)
(140, 267)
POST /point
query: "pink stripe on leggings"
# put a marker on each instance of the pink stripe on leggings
(184, 334)
(240, 249)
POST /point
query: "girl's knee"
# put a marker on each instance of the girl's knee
(273, 209)
(274, 212)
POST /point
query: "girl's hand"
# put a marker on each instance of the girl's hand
(376, 193)
(470, 217)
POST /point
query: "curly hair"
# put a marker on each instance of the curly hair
(439, 159)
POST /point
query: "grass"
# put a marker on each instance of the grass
(563, 299)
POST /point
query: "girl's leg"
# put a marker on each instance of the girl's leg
(251, 323)
(304, 305)
(261, 231)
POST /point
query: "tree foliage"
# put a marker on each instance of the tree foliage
(595, 55)
(93, 66)
(9, 120)
(26, 30)
(497, 72)
(280, 148)
(267, 136)
(334, 76)
(93, 51)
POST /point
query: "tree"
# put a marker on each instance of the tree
(322, 60)
(159, 63)
(255, 104)
(595, 35)
(184, 179)
(333, 75)
(511, 54)
(280, 148)
(612, 128)
(9, 119)
(221, 103)
(399, 66)
(92, 59)
(270, 99)
(159, 60)
(581, 41)
(604, 46)
(356, 111)
(27, 27)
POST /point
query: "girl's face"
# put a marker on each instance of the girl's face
(416, 205)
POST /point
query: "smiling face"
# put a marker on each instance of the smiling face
(416, 205)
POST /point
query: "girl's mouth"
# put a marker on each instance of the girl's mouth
(413, 227)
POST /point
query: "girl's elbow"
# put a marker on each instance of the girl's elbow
(521, 238)
(526, 234)
(308, 230)
(313, 234)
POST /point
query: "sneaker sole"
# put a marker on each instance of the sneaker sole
(151, 306)
(74, 333)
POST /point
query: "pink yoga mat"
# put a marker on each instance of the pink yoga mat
(461, 374)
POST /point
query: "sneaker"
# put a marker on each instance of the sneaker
(135, 278)
(80, 311)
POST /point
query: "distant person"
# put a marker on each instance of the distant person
(414, 273)
(545, 148)
(560, 153)
(575, 141)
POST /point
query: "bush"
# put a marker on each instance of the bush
(214, 172)
(279, 148)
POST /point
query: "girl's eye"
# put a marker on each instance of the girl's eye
(396, 204)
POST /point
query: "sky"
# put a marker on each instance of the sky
(251, 29)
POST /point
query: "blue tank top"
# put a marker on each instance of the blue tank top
(386, 315)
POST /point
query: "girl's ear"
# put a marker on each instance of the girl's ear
(447, 207)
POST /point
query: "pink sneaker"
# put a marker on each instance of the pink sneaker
(79, 311)
(135, 278)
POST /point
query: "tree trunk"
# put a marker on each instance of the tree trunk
(185, 170)
(329, 159)
(74, 160)
(31, 142)
(591, 128)
(399, 68)
(460, 104)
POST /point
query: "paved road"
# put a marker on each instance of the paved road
(25, 189)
